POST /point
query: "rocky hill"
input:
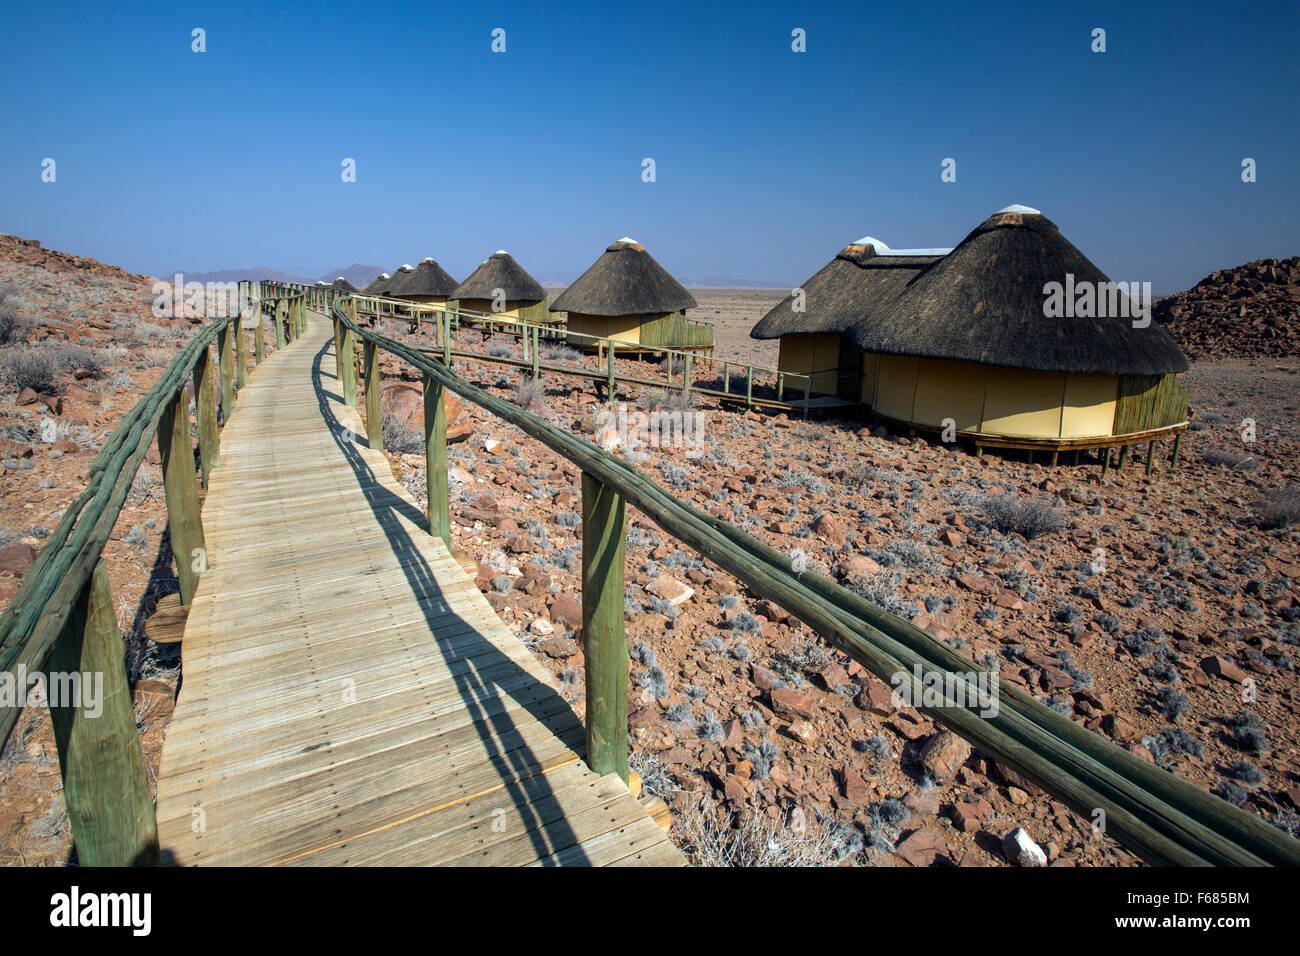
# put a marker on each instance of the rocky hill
(1247, 312)
(29, 252)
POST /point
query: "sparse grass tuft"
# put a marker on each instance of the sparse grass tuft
(713, 838)
(1029, 519)
(1280, 508)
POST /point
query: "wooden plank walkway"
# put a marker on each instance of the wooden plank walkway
(349, 696)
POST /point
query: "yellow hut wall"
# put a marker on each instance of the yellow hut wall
(511, 310)
(803, 354)
(621, 328)
(988, 400)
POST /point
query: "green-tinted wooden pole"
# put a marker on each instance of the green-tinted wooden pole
(435, 459)
(1178, 444)
(183, 518)
(279, 325)
(749, 386)
(259, 343)
(241, 351)
(726, 377)
(105, 788)
(226, 353)
(338, 350)
(604, 523)
(374, 417)
(349, 367)
(205, 404)
(610, 353)
(537, 341)
(446, 339)
(1151, 456)
(686, 376)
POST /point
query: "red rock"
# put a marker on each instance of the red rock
(921, 847)
(1222, 667)
(790, 703)
(854, 787)
(877, 697)
(832, 676)
(951, 538)
(943, 754)
(28, 397)
(16, 559)
(565, 608)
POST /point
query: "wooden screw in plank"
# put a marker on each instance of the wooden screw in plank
(183, 517)
(374, 416)
(604, 524)
(435, 459)
(205, 403)
(105, 788)
(225, 351)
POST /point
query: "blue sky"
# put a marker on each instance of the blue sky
(767, 161)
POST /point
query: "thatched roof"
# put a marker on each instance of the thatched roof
(985, 302)
(343, 284)
(428, 278)
(501, 271)
(851, 288)
(399, 280)
(626, 280)
(380, 285)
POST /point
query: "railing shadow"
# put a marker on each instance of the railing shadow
(488, 673)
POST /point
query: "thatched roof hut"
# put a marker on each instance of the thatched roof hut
(628, 296)
(343, 285)
(984, 303)
(499, 272)
(427, 282)
(850, 288)
(625, 280)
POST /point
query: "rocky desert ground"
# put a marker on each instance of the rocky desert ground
(1160, 612)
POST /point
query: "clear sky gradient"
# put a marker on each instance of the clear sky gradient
(768, 161)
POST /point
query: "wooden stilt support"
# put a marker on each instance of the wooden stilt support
(105, 788)
(184, 520)
(609, 351)
(435, 459)
(1123, 455)
(1173, 459)
(241, 350)
(1151, 456)
(604, 524)
(259, 341)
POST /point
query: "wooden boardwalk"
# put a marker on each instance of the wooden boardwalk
(349, 696)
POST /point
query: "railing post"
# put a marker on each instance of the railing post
(537, 341)
(225, 351)
(374, 416)
(338, 350)
(609, 352)
(279, 326)
(749, 386)
(446, 339)
(259, 349)
(435, 458)
(241, 350)
(807, 393)
(105, 788)
(604, 523)
(686, 376)
(205, 405)
(349, 359)
(726, 377)
(183, 517)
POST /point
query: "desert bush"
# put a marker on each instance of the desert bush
(671, 400)
(559, 352)
(1029, 519)
(1279, 509)
(13, 325)
(500, 350)
(400, 437)
(530, 395)
(712, 838)
(32, 368)
(1229, 459)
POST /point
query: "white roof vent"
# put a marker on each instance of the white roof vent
(500, 252)
(407, 267)
(871, 241)
(1024, 210)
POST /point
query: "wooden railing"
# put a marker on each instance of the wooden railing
(62, 620)
(1161, 817)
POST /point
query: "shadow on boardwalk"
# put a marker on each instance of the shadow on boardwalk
(482, 673)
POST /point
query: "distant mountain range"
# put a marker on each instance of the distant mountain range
(362, 275)
(359, 275)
